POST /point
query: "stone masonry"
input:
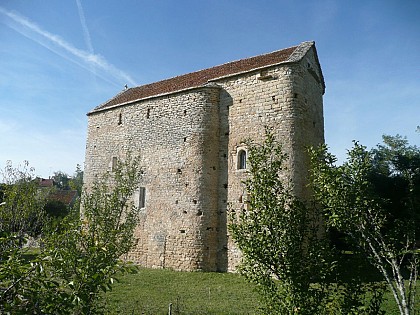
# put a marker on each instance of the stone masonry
(189, 132)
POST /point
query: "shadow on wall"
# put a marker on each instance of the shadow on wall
(222, 250)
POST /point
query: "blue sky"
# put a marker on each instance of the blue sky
(60, 59)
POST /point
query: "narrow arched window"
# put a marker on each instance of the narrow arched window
(241, 160)
(142, 197)
(114, 163)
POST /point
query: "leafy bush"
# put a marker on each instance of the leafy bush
(80, 258)
(374, 199)
(284, 255)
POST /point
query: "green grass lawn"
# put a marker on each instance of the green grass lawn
(152, 290)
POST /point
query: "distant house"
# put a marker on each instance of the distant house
(66, 197)
(43, 182)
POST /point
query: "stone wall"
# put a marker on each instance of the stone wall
(287, 98)
(176, 137)
(189, 143)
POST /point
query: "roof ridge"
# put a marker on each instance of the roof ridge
(216, 66)
(200, 77)
(230, 62)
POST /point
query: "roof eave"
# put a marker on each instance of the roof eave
(151, 97)
(320, 69)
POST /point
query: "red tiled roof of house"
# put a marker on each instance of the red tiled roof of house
(198, 78)
(65, 196)
(43, 182)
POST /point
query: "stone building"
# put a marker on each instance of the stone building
(189, 132)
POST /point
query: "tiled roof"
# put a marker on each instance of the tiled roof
(65, 196)
(43, 182)
(198, 78)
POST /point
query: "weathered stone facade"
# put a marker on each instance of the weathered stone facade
(189, 131)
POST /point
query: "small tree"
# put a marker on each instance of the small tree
(61, 180)
(80, 258)
(22, 205)
(284, 252)
(357, 201)
(76, 181)
(277, 238)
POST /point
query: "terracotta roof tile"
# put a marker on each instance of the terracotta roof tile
(65, 196)
(43, 182)
(198, 78)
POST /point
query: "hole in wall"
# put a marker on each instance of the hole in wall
(185, 139)
(199, 213)
(184, 212)
(194, 201)
(148, 113)
(225, 185)
(182, 231)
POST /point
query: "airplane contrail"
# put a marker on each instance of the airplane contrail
(85, 29)
(84, 59)
(86, 33)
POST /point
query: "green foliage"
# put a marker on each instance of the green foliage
(22, 204)
(271, 255)
(374, 199)
(65, 182)
(396, 179)
(56, 209)
(61, 180)
(80, 258)
(284, 252)
(76, 181)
